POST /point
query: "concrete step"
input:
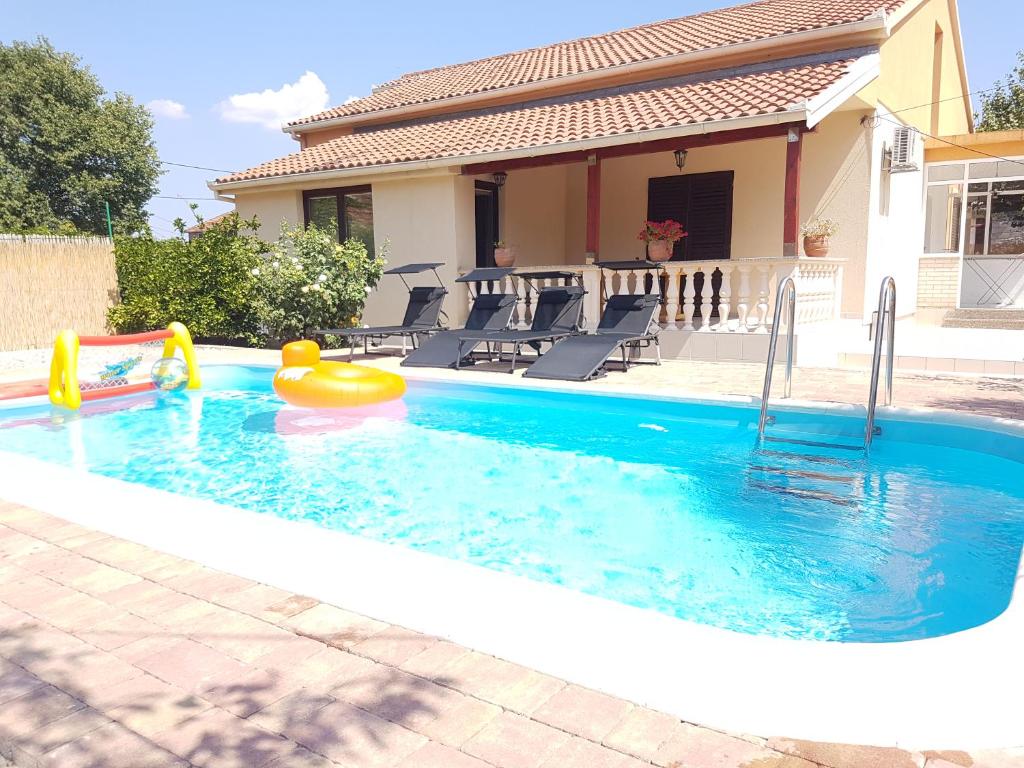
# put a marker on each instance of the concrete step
(1007, 324)
(996, 319)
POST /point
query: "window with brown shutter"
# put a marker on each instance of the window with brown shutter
(702, 203)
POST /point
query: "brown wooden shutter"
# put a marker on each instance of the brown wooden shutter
(702, 203)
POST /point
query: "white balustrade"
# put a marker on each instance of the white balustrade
(744, 300)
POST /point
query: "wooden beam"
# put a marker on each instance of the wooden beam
(791, 204)
(637, 148)
(593, 206)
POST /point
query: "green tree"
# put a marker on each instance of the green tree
(66, 148)
(1003, 108)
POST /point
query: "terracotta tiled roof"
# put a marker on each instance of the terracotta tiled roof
(714, 29)
(577, 117)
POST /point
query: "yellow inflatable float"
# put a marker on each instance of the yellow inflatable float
(306, 381)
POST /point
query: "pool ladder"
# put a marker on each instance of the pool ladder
(884, 332)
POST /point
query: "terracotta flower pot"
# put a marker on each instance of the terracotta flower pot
(659, 250)
(504, 257)
(816, 247)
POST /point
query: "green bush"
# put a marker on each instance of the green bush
(206, 283)
(228, 285)
(309, 281)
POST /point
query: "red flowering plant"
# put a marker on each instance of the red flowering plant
(662, 230)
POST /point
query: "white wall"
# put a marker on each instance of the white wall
(272, 208)
(896, 224)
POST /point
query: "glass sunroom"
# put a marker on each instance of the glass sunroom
(975, 211)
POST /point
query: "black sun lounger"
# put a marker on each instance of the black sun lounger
(490, 312)
(422, 313)
(626, 325)
(557, 314)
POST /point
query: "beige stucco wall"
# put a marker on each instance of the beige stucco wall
(271, 208)
(907, 71)
(533, 214)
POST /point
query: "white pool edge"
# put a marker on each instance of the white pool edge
(948, 692)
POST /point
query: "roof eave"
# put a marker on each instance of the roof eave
(796, 114)
(877, 23)
(862, 73)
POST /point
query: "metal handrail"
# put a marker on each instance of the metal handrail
(786, 293)
(886, 329)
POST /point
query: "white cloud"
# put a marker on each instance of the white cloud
(168, 108)
(350, 99)
(272, 109)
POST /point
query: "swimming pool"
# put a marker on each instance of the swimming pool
(661, 505)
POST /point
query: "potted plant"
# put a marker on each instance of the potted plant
(504, 255)
(816, 236)
(661, 237)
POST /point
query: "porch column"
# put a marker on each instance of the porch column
(593, 206)
(791, 212)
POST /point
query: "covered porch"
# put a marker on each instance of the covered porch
(737, 193)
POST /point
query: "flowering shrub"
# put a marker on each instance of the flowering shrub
(662, 230)
(309, 281)
(204, 283)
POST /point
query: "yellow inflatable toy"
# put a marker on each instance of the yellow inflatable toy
(306, 381)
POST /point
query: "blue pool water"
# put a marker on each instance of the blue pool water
(668, 506)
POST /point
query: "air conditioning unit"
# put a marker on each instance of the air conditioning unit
(904, 150)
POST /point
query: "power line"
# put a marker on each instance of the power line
(196, 167)
(941, 101)
(179, 197)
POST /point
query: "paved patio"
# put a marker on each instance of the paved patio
(112, 654)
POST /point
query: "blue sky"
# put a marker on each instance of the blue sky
(201, 54)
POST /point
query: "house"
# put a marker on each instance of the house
(197, 230)
(742, 123)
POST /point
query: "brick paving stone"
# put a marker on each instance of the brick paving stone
(218, 739)
(189, 664)
(300, 757)
(292, 710)
(255, 600)
(146, 599)
(161, 640)
(192, 615)
(291, 605)
(690, 745)
(432, 662)
(845, 755)
(329, 668)
(15, 682)
(112, 746)
(354, 738)
(171, 567)
(527, 694)
(583, 712)
(433, 755)
(642, 732)
(463, 719)
(161, 708)
(118, 631)
(514, 741)
(90, 675)
(62, 731)
(208, 584)
(289, 654)
(334, 626)
(15, 544)
(581, 753)
(394, 645)
(242, 637)
(118, 553)
(82, 539)
(485, 676)
(246, 692)
(34, 710)
(77, 611)
(398, 696)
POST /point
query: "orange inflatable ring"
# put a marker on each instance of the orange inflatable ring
(306, 381)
